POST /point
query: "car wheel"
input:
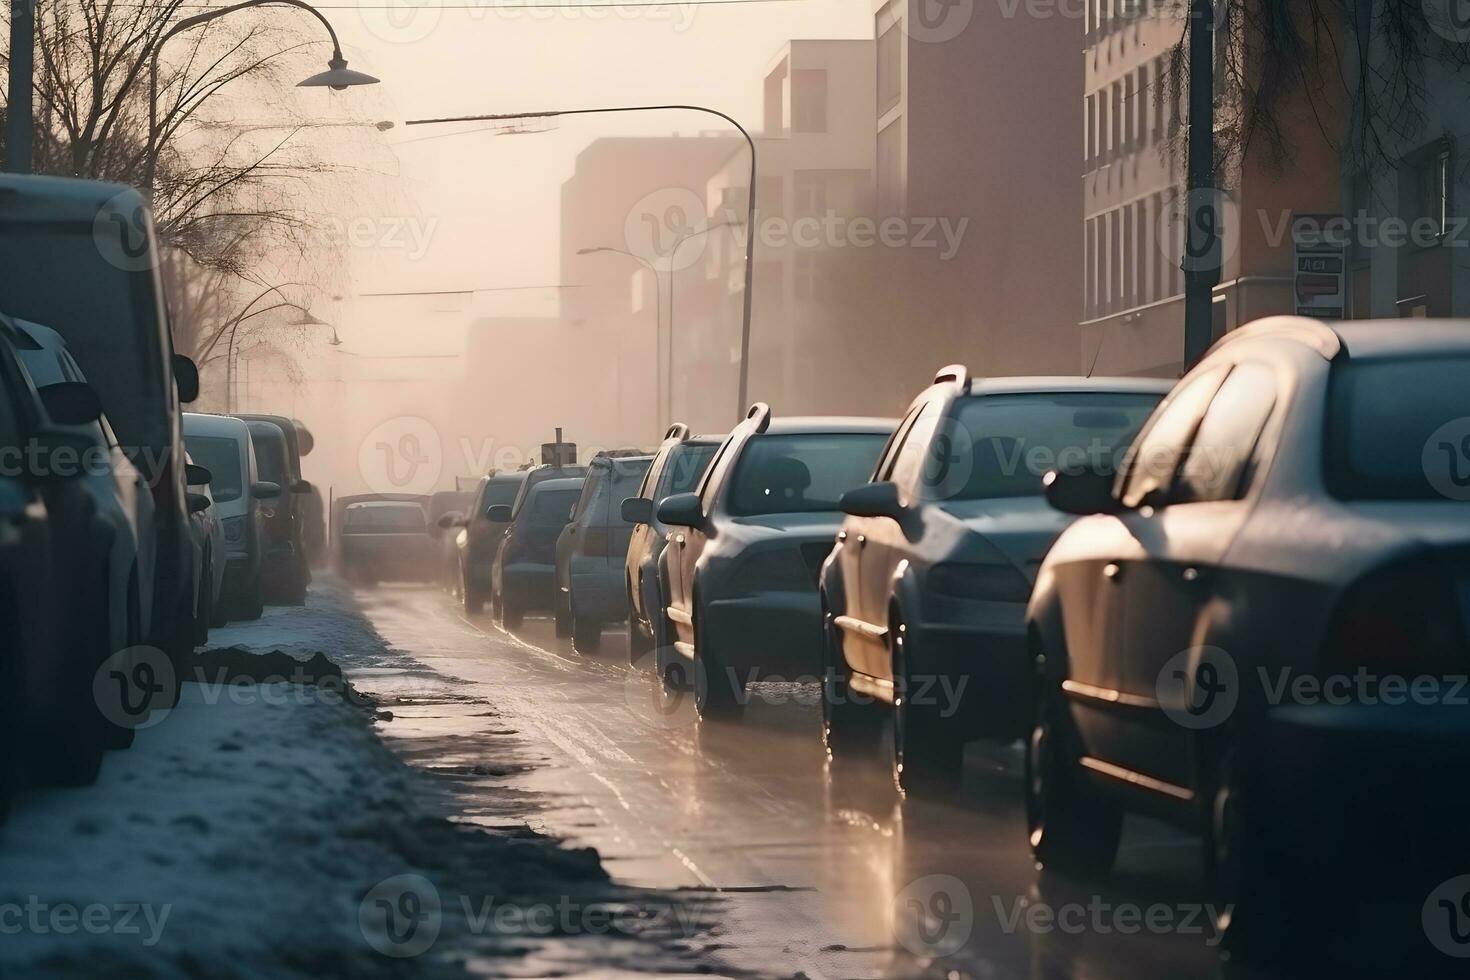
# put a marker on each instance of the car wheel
(563, 613)
(70, 753)
(928, 755)
(850, 721)
(640, 640)
(204, 605)
(511, 614)
(1236, 862)
(1072, 828)
(723, 696)
(586, 633)
(119, 737)
(252, 605)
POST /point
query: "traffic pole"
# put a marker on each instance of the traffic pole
(1202, 247)
(21, 111)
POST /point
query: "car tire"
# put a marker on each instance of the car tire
(204, 605)
(511, 614)
(472, 597)
(640, 640)
(1072, 828)
(850, 726)
(1238, 863)
(563, 613)
(928, 755)
(70, 753)
(252, 603)
(721, 695)
(586, 633)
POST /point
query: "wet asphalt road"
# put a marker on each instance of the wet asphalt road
(818, 872)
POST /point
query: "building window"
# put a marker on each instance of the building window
(809, 100)
(804, 276)
(1089, 131)
(809, 193)
(1426, 190)
(1089, 269)
(891, 197)
(774, 97)
(1130, 114)
(890, 68)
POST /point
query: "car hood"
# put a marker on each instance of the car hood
(1021, 529)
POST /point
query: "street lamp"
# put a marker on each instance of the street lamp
(337, 76)
(744, 386)
(665, 399)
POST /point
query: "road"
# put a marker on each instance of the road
(818, 873)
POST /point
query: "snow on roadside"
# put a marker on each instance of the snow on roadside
(264, 830)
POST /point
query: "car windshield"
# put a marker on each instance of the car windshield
(391, 519)
(550, 508)
(996, 446)
(797, 473)
(1398, 430)
(110, 325)
(222, 458)
(685, 466)
(270, 452)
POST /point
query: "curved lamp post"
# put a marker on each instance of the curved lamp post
(307, 319)
(337, 76)
(749, 206)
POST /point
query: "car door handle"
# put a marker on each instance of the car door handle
(1113, 572)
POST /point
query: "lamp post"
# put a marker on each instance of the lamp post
(307, 319)
(1202, 245)
(20, 110)
(744, 384)
(337, 76)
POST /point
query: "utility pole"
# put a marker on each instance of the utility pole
(1202, 248)
(19, 115)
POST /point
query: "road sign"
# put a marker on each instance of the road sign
(1319, 260)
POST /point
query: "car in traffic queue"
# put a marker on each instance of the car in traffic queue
(388, 540)
(447, 509)
(739, 576)
(676, 468)
(222, 445)
(208, 534)
(478, 538)
(523, 578)
(924, 595)
(592, 549)
(81, 256)
(1297, 507)
(283, 573)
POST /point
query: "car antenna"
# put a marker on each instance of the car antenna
(1097, 351)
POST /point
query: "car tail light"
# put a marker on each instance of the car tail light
(595, 543)
(976, 580)
(1406, 620)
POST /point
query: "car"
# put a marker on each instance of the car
(677, 467)
(387, 540)
(1297, 507)
(924, 595)
(223, 446)
(58, 620)
(592, 550)
(739, 578)
(446, 514)
(116, 485)
(284, 573)
(109, 305)
(208, 534)
(523, 577)
(478, 539)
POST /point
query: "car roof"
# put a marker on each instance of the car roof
(1403, 338)
(560, 483)
(829, 423)
(32, 198)
(381, 504)
(204, 424)
(270, 430)
(1021, 384)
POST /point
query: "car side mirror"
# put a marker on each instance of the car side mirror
(637, 510)
(452, 519)
(498, 513)
(301, 486)
(186, 376)
(265, 490)
(198, 502)
(196, 475)
(1081, 492)
(873, 500)
(71, 403)
(681, 510)
(58, 454)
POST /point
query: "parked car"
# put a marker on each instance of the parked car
(388, 540)
(1298, 508)
(523, 577)
(478, 540)
(447, 510)
(924, 596)
(223, 446)
(109, 305)
(592, 550)
(677, 467)
(208, 535)
(58, 622)
(739, 578)
(117, 487)
(283, 572)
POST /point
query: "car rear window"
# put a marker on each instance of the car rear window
(406, 519)
(1399, 429)
(801, 472)
(551, 507)
(270, 452)
(1002, 445)
(222, 458)
(501, 492)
